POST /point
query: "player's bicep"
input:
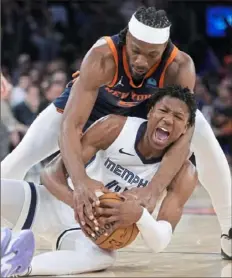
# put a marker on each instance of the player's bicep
(96, 70)
(100, 135)
(80, 104)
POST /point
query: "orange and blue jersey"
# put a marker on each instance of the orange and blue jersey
(122, 96)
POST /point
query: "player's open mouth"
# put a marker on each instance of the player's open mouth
(161, 134)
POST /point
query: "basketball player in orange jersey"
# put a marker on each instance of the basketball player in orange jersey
(117, 75)
(122, 153)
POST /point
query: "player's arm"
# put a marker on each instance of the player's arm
(97, 69)
(178, 194)
(98, 137)
(181, 73)
(54, 178)
(157, 234)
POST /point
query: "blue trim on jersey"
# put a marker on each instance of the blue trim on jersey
(115, 39)
(63, 233)
(31, 212)
(90, 161)
(62, 100)
(141, 131)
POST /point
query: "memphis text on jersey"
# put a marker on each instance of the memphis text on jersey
(125, 174)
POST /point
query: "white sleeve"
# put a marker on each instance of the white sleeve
(156, 234)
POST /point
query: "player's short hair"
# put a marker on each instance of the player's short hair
(176, 91)
(148, 16)
(152, 18)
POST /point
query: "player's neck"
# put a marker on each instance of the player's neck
(146, 150)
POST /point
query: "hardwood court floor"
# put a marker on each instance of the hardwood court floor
(193, 252)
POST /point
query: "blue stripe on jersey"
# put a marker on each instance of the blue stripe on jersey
(90, 161)
(63, 233)
(31, 212)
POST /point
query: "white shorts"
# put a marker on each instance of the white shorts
(45, 215)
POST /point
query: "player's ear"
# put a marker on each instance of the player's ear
(186, 127)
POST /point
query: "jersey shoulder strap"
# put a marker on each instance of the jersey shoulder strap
(127, 136)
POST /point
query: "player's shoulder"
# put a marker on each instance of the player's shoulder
(104, 131)
(182, 60)
(181, 67)
(113, 121)
(102, 50)
(108, 125)
(100, 60)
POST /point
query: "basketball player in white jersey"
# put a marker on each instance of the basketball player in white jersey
(116, 75)
(121, 154)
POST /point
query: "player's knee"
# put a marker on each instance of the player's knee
(6, 186)
(190, 173)
(12, 200)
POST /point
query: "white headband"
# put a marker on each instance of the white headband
(148, 34)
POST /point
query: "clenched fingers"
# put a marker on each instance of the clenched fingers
(108, 220)
(91, 224)
(105, 211)
(79, 212)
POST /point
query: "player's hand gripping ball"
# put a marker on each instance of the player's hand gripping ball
(116, 238)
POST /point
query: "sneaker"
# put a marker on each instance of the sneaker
(5, 239)
(226, 245)
(17, 252)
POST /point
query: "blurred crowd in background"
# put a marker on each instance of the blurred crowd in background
(43, 43)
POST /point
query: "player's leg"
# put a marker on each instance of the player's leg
(13, 202)
(16, 252)
(40, 141)
(75, 254)
(17, 249)
(33, 207)
(214, 175)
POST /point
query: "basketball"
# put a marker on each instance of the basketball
(121, 237)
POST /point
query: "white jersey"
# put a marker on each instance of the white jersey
(121, 166)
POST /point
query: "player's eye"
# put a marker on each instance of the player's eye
(179, 117)
(153, 55)
(135, 51)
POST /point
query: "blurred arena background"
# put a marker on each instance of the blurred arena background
(43, 43)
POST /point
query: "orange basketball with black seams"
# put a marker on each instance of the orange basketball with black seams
(119, 238)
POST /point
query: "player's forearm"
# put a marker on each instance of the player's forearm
(171, 210)
(156, 234)
(60, 190)
(71, 151)
(62, 193)
(171, 163)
